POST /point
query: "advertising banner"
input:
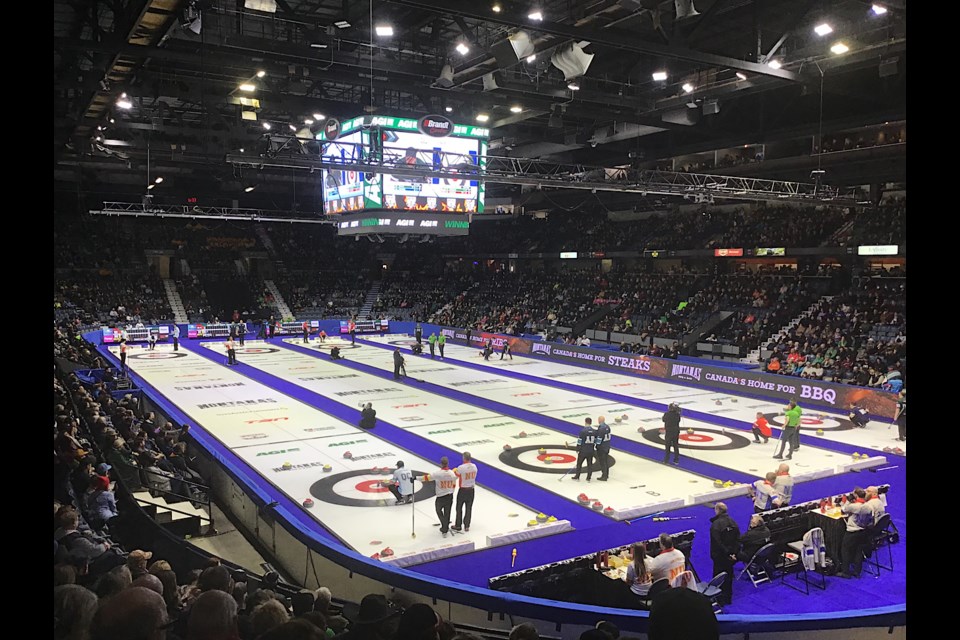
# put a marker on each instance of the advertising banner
(826, 394)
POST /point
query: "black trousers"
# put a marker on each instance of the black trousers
(603, 457)
(441, 349)
(789, 436)
(432, 347)
(581, 457)
(176, 344)
(444, 505)
(396, 371)
(902, 427)
(123, 362)
(419, 337)
(726, 589)
(241, 336)
(231, 356)
(353, 337)
(306, 337)
(464, 507)
(396, 491)
(851, 551)
(756, 436)
(671, 440)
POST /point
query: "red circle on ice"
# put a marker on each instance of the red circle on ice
(695, 437)
(812, 421)
(371, 486)
(557, 458)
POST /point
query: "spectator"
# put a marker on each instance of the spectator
(418, 622)
(525, 631)
(73, 610)
(295, 630)
(137, 562)
(682, 614)
(133, 614)
(149, 581)
(113, 582)
(267, 616)
(213, 617)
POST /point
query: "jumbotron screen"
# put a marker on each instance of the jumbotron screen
(432, 143)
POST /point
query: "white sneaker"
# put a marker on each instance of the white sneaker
(444, 534)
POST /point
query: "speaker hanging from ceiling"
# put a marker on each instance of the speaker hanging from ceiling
(446, 77)
(572, 60)
(685, 9)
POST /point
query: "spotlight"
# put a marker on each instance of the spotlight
(448, 109)
(822, 29)
(241, 149)
(531, 57)
(535, 15)
(250, 188)
(516, 109)
(659, 76)
(267, 126)
(573, 85)
(741, 75)
(159, 180)
(261, 73)
(150, 186)
(463, 49)
(482, 117)
(384, 30)
(292, 128)
(318, 117)
(248, 86)
(878, 9)
(774, 64)
(341, 24)
(308, 121)
(124, 103)
(495, 8)
(112, 121)
(839, 48)
(687, 87)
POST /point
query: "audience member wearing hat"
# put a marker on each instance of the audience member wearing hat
(376, 619)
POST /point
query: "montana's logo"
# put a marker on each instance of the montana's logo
(253, 436)
(277, 452)
(430, 433)
(539, 347)
(345, 443)
(262, 420)
(523, 395)
(497, 424)
(575, 415)
(685, 372)
(409, 406)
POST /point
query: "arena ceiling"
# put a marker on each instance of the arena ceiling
(159, 81)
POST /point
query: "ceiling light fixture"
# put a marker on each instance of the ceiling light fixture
(742, 76)
(823, 29)
(292, 128)
(384, 30)
(495, 8)
(112, 120)
(535, 15)
(318, 45)
(448, 109)
(482, 117)
(516, 109)
(573, 85)
(687, 87)
(307, 121)
(531, 57)
(267, 126)
(659, 76)
(261, 73)
(250, 188)
(839, 48)
(341, 24)
(159, 180)
(463, 49)
(878, 9)
(318, 117)
(241, 149)
(150, 186)
(248, 86)
(123, 103)
(774, 64)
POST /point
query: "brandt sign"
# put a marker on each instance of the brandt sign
(331, 129)
(435, 126)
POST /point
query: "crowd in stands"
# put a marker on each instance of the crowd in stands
(891, 134)
(884, 225)
(857, 337)
(112, 299)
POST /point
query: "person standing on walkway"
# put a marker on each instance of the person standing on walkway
(446, 482)
(671, 433)
(433, 345)
(790, 436)
(724, 544)
(900, 417)
(176, 337)
(784, 484)
(586, 447)
(418, 333)
(306, 332)
(603, 448)
(441, 342)
(231, 351)
(506, 350)
(353, 332)
(241, 332)
(467, 474)
(123, 356)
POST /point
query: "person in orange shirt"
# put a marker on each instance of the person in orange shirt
(774, 366)
(761, 428)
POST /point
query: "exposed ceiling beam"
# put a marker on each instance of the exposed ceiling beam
(628, 42)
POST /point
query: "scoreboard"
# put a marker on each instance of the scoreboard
(432, 143)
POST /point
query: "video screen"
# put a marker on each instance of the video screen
(449, 155)
(343, 189)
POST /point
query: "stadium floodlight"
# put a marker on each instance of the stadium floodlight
(839, 48)
(318, 117)
(573, 85)
(823, 29)
(659, 76)
(247, 86)
(531, 57)
(341, 24)
(687, 87)
(536, 15)
(878, 9)
(261, 73)
(159, 179)
(448, 109)
(462, 49)
(741, 75)
(495, 8)
(250, 188)
(124, 102)
(482, 117)
(384, 30)
(516, 109)
(267, 126)
(774, 64)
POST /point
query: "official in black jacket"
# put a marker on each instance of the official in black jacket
(724, 543)
(756, 536)
(586, 447)
(671, 436)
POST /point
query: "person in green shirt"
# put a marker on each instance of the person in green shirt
(433, 343)
(441, 342)
(791, 431)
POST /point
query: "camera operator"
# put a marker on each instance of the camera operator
(859, 519)
(335, 354)
(368, 417)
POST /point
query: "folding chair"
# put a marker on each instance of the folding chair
(807, 560)
(883, 534)
(760, 568)
(713, 590)
(684, 580)
(657, 587)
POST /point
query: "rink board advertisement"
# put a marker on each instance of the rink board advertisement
(839, 396)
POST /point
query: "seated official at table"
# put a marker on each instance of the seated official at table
(756, 536)
(639, 573)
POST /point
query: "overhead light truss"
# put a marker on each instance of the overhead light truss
(150, 210)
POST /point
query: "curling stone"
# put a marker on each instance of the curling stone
(624, 417)
(541, 517)
(718, 483)
(583, 499)
(507, 447)
(618, 419)
(522, 434)
(552, 519)
(542, 451)
(608, 511)
(819, 432)
(548, 461)
(386, 553)
(532, 523)
(327, 468)
(287, 465)
(347, 455)
(308, 503)
(690, 431)
(597, 506)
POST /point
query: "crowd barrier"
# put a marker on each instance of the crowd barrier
(827, 395)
